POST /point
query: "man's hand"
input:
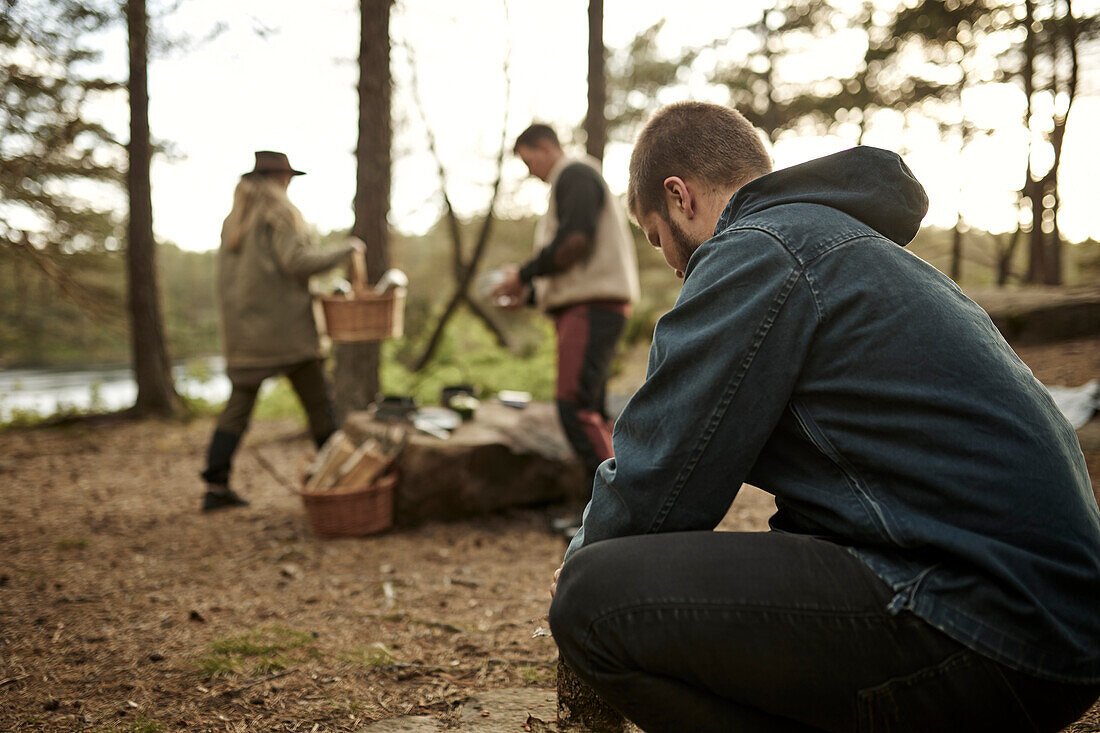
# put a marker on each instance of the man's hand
(554, 585)
(509, 294)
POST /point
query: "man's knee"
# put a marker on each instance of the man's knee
(578, 601)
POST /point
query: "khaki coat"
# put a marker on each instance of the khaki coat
(263, 293)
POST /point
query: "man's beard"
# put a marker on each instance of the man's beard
(682, 242)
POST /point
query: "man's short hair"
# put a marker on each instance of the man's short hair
(537, 132)
(707, 142)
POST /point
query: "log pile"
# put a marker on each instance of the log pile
(342, 466)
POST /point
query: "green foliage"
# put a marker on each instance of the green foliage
(260, 651)
(469, 355)
(144, 725)
(42, 325)
(373, 655)
(187, 285)
(19, 418)
(637, 75)
(46, 140)
(541, 676)
(277, 400)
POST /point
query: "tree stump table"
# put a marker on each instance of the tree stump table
(504, 457)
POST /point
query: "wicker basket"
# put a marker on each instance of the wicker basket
(365, 316)
(351, 513)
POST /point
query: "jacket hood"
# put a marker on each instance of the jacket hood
(870, 184)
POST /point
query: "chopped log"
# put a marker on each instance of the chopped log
(502, 458)
(365, 465)
(580, 708)
(326, 466)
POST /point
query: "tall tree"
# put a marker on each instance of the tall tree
(595, 122)
(47, 142)
(1043, 39)
(635, 75)
(942, 42)
(357, 365)
(1049, 67)
(156, 393)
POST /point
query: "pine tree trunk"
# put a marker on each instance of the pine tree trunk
(19, 285)
(580, 708)
(1004, 257)
(595, 123)
(1033, 190)
(156, 394)
(357, 381)
(956, 249)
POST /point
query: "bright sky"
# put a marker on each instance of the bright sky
(282, 78)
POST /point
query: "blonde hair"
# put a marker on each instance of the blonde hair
(258, 200)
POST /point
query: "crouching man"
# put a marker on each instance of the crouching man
(934, 563)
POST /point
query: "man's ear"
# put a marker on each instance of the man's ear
(680, 196)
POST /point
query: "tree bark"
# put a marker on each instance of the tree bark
(1069, 35)
(1037, 271)
(1004, 256)
(957, 249)
(579, 707)
(156, 394)
(595, 122)
(357, 381)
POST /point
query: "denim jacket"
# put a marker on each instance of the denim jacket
(812, 356)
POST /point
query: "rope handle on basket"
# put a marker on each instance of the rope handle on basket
(359, 272)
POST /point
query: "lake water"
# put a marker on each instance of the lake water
(47, 391)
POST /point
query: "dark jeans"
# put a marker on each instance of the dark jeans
(587, 336)
(308, 380)
(764, 631)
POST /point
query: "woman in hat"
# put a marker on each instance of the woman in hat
(264, 265)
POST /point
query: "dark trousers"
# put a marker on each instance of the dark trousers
(308, 380)
(587, 336)
(764, 631)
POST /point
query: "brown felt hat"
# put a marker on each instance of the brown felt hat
(268, 161)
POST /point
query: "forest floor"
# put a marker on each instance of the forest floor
(123, 608)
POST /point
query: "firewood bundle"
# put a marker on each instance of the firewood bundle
(340, 466)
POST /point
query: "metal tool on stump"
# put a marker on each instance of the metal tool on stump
(580, 708)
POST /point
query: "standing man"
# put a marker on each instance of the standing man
(584, 274)
(934, 563)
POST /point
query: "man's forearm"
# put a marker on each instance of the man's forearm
(565, 251)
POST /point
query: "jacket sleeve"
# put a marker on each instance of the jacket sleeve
(722, 368)
(579, 197)
(296, 258)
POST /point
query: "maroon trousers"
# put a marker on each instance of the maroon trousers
(587, 336)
